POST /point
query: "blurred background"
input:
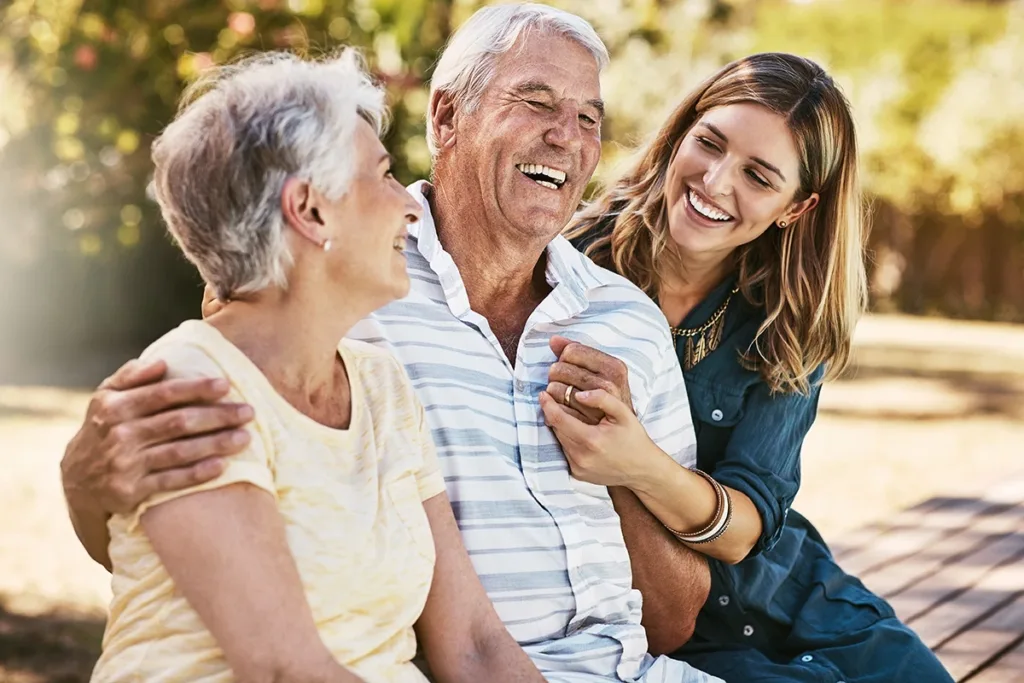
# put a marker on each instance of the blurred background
(89, 277)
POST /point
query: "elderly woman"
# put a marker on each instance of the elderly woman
(743, 220)
(314, 554)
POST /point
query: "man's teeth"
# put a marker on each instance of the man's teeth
(545, 176)
(707, 210)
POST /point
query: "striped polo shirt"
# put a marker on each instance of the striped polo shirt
(548, 548)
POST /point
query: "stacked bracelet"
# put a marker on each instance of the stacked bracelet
(719, 522)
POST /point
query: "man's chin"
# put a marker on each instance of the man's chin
(542, 220)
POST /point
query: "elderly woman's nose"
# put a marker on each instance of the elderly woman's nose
(413, 210)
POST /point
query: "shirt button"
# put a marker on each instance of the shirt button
(717, 415)
(748, 630)
(808, 658)
(724, 600)
(520, 386)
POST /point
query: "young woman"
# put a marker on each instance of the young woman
(743, 220)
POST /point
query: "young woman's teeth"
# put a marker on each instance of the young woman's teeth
(707, 210)
(544, 176)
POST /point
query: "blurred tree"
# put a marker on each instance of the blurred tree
(84, 251)
(85, 85)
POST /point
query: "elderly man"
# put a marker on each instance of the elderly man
(514, 126)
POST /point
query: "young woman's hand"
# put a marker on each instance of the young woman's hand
(614, 452)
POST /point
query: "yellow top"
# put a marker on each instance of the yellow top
(352, 506)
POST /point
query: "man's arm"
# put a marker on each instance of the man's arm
(462, 637)
(143, 435)
(674, 580)
(227, 552)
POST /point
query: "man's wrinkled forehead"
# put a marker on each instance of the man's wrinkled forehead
(550, 64)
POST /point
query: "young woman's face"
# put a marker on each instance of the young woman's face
(733, 176)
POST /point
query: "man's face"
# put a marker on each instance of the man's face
(530, 147)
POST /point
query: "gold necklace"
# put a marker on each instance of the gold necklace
(708, 336)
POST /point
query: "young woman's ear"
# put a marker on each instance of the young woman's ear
(799, 209)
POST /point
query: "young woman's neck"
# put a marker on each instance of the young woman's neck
(688, 279)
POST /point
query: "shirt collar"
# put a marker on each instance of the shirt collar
(572, 275)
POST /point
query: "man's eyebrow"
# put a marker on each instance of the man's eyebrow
(756, 160)
(533, 87)
(545, 89)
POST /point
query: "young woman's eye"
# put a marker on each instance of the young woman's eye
(758, 179)
(707, 144)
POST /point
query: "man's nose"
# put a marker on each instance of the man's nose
(564, 131)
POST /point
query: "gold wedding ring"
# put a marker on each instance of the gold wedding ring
(568, 394)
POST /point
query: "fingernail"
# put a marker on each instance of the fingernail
(220, 384)
(245, 412)
(239, 437)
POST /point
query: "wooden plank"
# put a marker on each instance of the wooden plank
(956, 578)
(916, 536)
(918, 528)
(861, 539)
(904, 573)
(982, 643)
(1007, 669)
(996, 587)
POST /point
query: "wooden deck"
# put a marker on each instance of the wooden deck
(953, 569)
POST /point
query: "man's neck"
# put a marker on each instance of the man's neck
(502, 275)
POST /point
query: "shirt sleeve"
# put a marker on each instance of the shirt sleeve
(252, 466)
(667, 416)
(429, 477)
(762, 458)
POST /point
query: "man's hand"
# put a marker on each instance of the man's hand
(142, 435)
(586, 369)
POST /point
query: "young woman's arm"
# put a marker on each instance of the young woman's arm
(227, 553)
(459, 631)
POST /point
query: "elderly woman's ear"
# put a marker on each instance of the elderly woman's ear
(299, 206)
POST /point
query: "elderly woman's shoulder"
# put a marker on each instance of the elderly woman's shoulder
(192, 350)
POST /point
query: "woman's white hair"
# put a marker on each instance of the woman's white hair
(241, 132)
(467, 64)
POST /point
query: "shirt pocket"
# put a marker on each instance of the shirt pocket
(414, 527)
(839, 603)
(716, 407)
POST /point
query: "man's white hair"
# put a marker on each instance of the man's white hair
(467, 64)
(242, 131)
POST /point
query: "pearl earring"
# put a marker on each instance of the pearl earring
(326, 245)
(783, 224)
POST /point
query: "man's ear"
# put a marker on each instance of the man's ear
(442, 118)
(299, 206)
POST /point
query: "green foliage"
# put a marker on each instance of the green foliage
(85, 85)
